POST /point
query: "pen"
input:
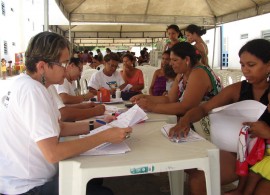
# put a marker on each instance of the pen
(101, 122)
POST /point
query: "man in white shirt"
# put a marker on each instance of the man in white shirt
(68, 90)
(108, 78)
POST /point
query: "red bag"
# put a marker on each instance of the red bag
(104, 95)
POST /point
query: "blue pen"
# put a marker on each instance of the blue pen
(101, 122)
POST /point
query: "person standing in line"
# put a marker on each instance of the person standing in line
(175, 36)
(193, 34)
(4, 68)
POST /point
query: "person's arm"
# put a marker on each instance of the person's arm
(75, 114)
(140, 81)
(70, 99)
(82, 105)
(203, 51)
(198, 85)
(151, 88)
(227, 96)
(55, 151)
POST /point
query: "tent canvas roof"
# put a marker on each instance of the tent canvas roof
(115, 20)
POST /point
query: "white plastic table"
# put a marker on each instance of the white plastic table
(150, 152)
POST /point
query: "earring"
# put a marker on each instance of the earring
(268, 77)
(43, 80)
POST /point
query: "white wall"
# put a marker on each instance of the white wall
(232, 32)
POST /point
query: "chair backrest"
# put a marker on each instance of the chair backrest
(85, 79)
(148, 72)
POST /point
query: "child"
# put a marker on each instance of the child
(3, 68)
(170, 76)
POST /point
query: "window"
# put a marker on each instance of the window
(244, 36)
(5, 48)
(3, 8)
(266, 34)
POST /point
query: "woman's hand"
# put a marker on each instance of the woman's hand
(117, 135)
(259, 129)
(136, 98)
(109, 118)
(181, 129)
(99, 109)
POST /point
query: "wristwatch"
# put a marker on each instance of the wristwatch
(91, 125)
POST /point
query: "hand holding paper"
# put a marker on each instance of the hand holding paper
(227, 121)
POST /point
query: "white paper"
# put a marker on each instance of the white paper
(120, 148)
(227, 121)
(191, 137)
(127, 88)
(127, 119)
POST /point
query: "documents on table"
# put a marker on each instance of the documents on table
(227, 121)
(127, 119)
(191, 137)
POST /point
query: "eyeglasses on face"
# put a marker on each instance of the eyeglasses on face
(62, 64)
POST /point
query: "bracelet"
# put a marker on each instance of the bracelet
(84, 97)
(91, 126)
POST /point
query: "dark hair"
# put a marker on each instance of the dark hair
(184, 49)
(259, 48)
(168, 51)
(192, 28)
(98, 50)
(75, 61)
(108, 50)
(111, 56)
(45, 46)
(98, 58)
(176, 28)
(130, 57)
(168, 71)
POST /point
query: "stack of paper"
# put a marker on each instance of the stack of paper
(227, 121)
(191, 137)
(127, 119)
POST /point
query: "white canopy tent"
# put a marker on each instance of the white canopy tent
(121, 22)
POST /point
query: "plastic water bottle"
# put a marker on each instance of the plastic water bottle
(118, 93)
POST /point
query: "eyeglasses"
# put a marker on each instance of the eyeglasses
(62, 64)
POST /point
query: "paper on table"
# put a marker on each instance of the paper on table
(127, 119)
(127, 88)
(120, 148)
(131, 117)
(226, 122)
(191, 137)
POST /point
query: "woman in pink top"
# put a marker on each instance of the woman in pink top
(132, 75)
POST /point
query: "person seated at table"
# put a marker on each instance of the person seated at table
(97, 62)
(255, 65)
(143, 58)
(170, 77)
(132, 75)
(158, 84)
(109, 78)
(30, 147)
(75, 112)
(67, 90)
(193, 84)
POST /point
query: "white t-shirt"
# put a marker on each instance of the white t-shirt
(28, 116)
(100, 67)
(56, 98)
(99, 79)
(66, 87)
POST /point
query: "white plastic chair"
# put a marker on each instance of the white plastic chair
(85, 79)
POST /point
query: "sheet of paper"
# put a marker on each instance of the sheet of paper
(226, 122)
(127, 88)
(110, 149)
(192, 136)
(131, 117)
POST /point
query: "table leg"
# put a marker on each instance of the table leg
(176, 182)
(214, 165)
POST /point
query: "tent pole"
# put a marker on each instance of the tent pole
(214, 44)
